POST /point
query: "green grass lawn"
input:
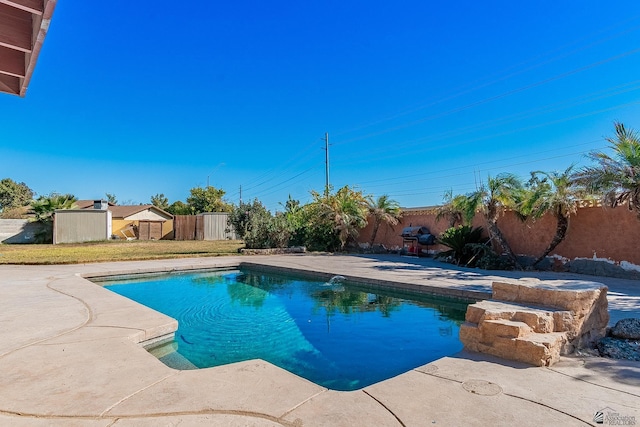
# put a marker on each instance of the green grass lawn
(117, 250)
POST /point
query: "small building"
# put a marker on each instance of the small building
(143, 222)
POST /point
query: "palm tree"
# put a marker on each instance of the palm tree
(44, 209)
(45, 206)
(558, 194)
(456, 209)
(616, 177)
(383, 210)
(347, 210)
(503, 191)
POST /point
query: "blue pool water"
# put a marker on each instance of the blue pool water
(339, 335)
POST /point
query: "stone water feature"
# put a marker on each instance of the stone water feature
(536, 323)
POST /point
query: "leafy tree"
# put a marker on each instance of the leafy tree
(44, 209)
(239, 219)
(111, 198)
(383, 210)
(160, 201)
(254, 224)
(294, 216)
(280, 231)
(317, 232)
(14, 194)
(556, 193)
(15, 213)
(208, 199)
(179, 208)
(617, 176)
(503, 191)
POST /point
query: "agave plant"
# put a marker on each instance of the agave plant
(461, 241)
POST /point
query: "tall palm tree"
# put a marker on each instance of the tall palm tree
(384, 210)
(502, 192)
(557, 193)
(616, 177)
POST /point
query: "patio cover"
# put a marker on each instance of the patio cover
(23, 27)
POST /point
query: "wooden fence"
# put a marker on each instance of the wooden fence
(188, 227)
(207, 226)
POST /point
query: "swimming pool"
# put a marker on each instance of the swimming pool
(340, 335)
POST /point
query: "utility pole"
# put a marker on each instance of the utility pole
(241, 194)
(326, 161)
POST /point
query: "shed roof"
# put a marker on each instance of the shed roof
(23, 27)
(127, 211)
(88, 204)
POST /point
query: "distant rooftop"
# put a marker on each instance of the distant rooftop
(23, 27)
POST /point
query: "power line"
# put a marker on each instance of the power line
(494, 98)
(461, 92)
(363, 159)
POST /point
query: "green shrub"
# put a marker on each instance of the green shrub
(251, 222)
(487, 259)
(279, 231)
(461, 242)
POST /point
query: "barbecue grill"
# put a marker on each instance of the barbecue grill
(414, 237)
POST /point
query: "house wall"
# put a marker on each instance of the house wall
(605, 235)
(167, 230)
(148, 215)
(76, 226)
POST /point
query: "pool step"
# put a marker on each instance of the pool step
(539, 319)
(534, 323)
(505, 329)
(513, 340)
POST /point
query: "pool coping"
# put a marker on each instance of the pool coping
(51, 361)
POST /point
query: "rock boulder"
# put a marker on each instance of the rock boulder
(628, 329)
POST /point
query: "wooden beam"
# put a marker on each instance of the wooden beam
(12, 62)
(32, 6)
(9, 84)
(15, 28)
(41, 24)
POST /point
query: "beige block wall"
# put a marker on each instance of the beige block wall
(610, 233)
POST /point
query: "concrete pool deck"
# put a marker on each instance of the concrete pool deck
(71, 357)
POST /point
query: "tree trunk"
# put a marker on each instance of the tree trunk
(494, 231)
(376, 225)
(562, 225)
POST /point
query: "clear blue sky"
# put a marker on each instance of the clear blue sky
(136, 98)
